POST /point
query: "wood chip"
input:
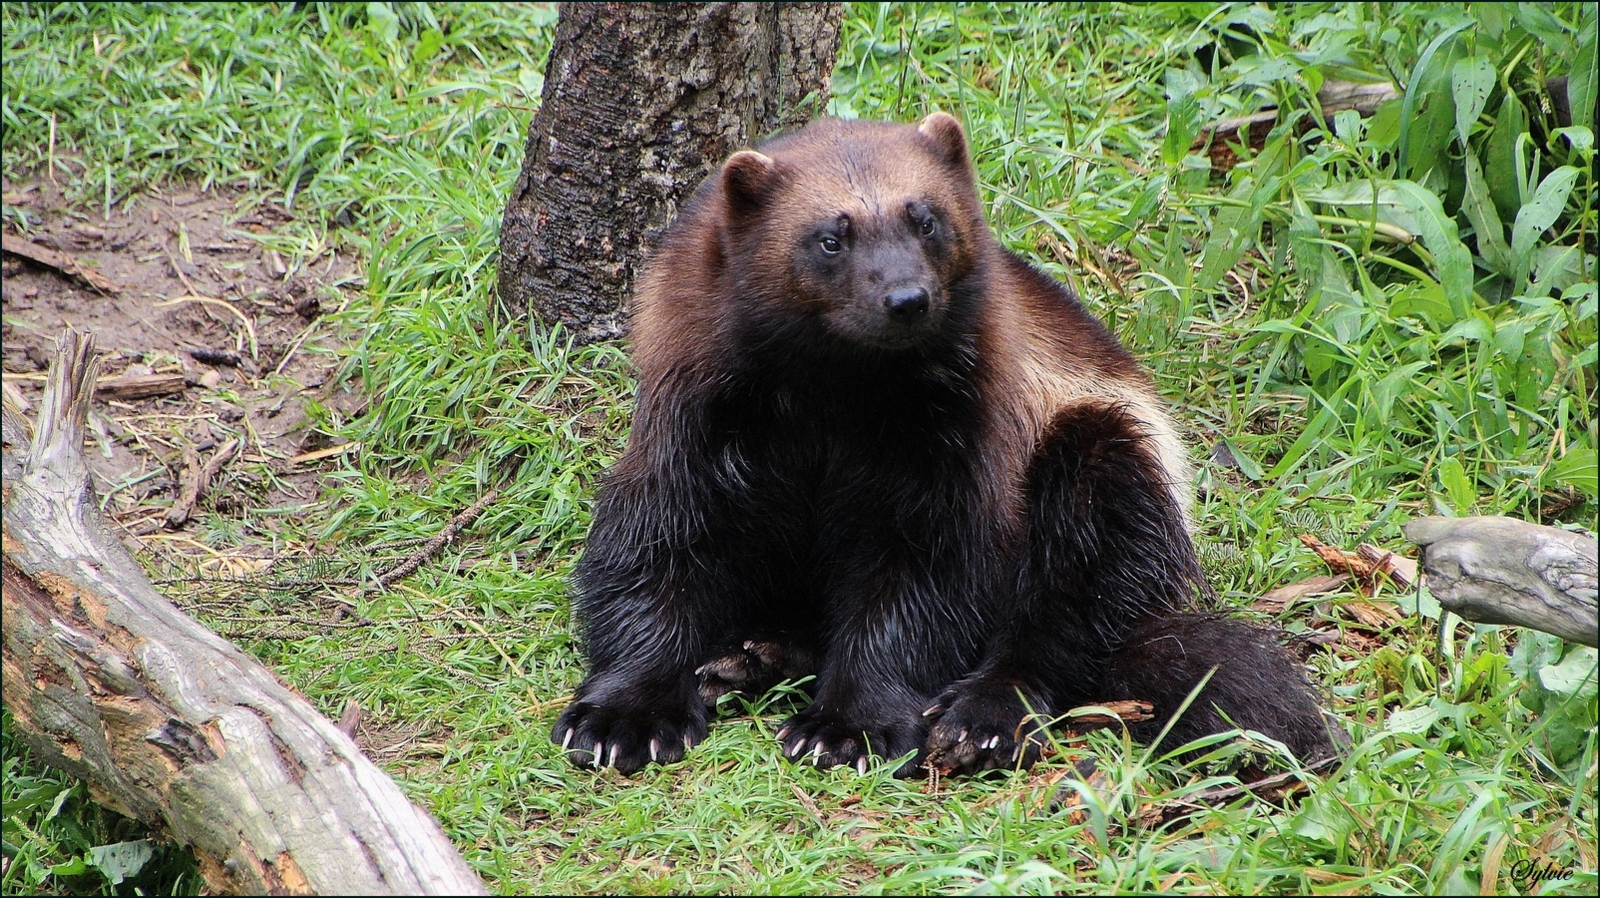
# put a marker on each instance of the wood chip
(1339, 560)
(61, 262)
(1376, 615)
(195, 480)
(1278, 599)
(1088, 717)
(140, 386)
(320, 454)
(350, 718)
(1400, 570)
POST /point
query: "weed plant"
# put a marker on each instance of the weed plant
(1363, 320)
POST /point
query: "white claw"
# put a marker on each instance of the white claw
(688, 742)
(611, 760)
(861, 765)
(816, 753)
(655, 749)
(991, 742)
(964, 734)
(599, 754)
(566, 740)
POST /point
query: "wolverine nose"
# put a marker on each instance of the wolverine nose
(906, 303)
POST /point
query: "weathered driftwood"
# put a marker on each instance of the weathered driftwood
(1497, 570)
(167, 721)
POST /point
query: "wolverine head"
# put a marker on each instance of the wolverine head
(862, 228)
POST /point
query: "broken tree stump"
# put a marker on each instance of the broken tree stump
(1496, 570)
(167, 721)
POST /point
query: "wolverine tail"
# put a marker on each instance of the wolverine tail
(1257, 685)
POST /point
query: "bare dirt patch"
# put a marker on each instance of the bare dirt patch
(227, 332)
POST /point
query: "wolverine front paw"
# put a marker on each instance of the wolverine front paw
(982, 725)
(829, 739)
(627, 738)
(752, 669)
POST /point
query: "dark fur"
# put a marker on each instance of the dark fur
(872, 445)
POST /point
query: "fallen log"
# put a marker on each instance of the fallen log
(1216, 139)
(1496, 570)
(167, 721)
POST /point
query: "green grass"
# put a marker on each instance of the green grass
(1360, 381)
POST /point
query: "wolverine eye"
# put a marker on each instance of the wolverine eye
(831, 245)
(928, 226)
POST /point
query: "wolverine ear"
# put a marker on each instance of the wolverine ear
(747, 177)
(946, 134)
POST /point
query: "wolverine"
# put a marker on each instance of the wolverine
(873, 447)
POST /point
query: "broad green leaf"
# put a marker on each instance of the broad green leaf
(1477, 202)
(532, 83)
(1580, 467)
(1335, 303)
(1557, 268)
(1493, 18)
(121, 860)
(1471, 80)
(1579, 136)
(75, 867)
(1322, 818)
(1451, 260)
(1553, 33)
(1566, 738)
(1581, 82)
(1395, 384)
(1419, 603)
(1183, 123)
(1570, 706)
(1511, 334)
(1236, 227)
(427, 45)
(1408, 205)
(60, 802)
(1534, 651)
(1537, 216)
(1457, 485)
(1359, 200)
(1411, 720)
(383, 22)
(1426, 301)
(1383, 129)
(1420, 140)
(1257, 69)
(1574, 676)
(1500, 156)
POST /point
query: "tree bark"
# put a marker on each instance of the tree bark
(166, 721)
(1496, 570)
(641, 102)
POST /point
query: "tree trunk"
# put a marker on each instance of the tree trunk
(168, 722)
(641, 102)
(1496, 570)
